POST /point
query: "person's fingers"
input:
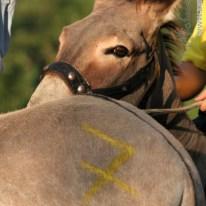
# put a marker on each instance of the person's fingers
(203, 106)
(201, 96)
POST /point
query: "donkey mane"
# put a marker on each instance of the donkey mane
(171, 40)
(169, 30)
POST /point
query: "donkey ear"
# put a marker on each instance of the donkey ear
(164, 9)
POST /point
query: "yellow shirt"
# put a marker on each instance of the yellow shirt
(196, 46)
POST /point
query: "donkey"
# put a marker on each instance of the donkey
(74, 152)
(122, 47)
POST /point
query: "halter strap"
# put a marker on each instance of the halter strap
(131, 85)
(79, 85)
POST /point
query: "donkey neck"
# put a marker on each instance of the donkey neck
(50, 88)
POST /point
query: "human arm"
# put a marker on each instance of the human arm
(191, 73)
(190, 80)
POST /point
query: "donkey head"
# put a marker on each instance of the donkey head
(115, 41)
(110, 45)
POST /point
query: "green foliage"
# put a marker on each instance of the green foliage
(34, 43)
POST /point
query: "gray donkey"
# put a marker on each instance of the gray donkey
(83, 150)
(123, 47)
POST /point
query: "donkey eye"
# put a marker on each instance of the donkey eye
(118, 51)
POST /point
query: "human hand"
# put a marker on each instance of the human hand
(202, 99)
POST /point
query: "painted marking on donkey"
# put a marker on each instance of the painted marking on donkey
(106, 175)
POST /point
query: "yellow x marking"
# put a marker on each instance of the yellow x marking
(107, 175)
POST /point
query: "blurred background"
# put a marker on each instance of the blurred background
(34, 43)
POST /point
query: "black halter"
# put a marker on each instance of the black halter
(79, 85)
